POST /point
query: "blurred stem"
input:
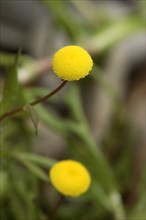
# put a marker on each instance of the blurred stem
(9, 59)
(32, 167)
(100, 77)
(114, 33)
(56, 208)
(35, 158)
(64, 17)
(87, 9)
(83, 132)
(42, 99)
(29, 69)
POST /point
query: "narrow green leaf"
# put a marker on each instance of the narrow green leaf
(38, 159)
(12, 93)
(36, 170)
(34, 117)
(46, 116)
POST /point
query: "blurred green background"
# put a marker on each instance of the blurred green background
(99, 120)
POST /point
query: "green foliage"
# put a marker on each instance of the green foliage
(12, 93)
(24, 174)
(34, 117)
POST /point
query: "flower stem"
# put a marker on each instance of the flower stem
(42, 99)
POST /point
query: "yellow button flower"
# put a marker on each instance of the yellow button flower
(70, 178)
(72, 63)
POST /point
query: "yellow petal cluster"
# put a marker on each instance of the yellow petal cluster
(72, 63)
(69, 177)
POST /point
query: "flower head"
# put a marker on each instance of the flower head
(72, 63)
(70, 178)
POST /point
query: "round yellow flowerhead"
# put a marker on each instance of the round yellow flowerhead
(72, 63)
(70, 178)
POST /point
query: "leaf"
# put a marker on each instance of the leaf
(34, 117)
(29, 161)
(12, 93)
(46, 116)
(41, 160)
(36, 170)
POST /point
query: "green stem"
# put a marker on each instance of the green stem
(114, 196)
(82, 131)
(42, 99)
(117, 31)
(64, 17)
